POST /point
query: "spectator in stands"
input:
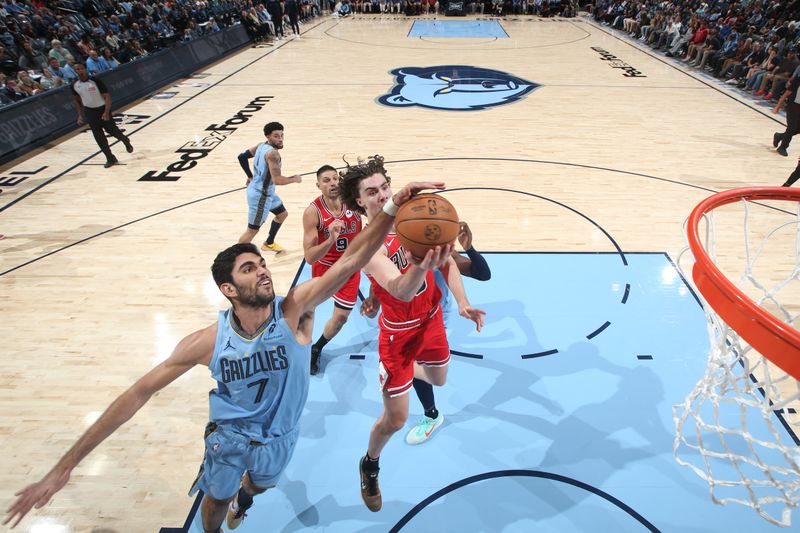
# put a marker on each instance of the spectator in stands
(11, 92)
(109, 57)
(31, 59)
(84, 46)
(7, 38)
(697, 41)
(265, 20)
(344, 9)
(752, 60)
(96, 64)
(26, 84)
(113, 41)
(774, 82)
(711, 45)
(66, 72)
(162, 28)
(60, 53)
(115, 24)
(12, 8)
(726, 68)
(137, 48)
(754, 76)
(48, 81)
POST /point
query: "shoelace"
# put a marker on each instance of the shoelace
(372, 483)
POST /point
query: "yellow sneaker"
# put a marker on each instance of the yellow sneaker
(274, 247)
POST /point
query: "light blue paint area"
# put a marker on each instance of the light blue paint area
(460, 29)
(592, 412)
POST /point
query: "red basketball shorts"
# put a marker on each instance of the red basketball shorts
(347, 295)
(398, 349)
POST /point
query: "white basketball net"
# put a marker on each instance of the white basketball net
(737, 429)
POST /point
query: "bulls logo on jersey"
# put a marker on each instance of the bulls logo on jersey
(352, 225)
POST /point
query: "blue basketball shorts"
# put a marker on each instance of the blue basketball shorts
(258, 207)
(230, 454)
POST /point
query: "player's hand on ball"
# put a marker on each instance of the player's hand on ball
(405, 194)
(476, 315)
(464, 235)
(435, 258)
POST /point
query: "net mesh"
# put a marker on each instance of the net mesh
(738, 428)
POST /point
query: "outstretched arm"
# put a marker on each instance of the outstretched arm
(195, 349)
(474, 265)
(460, 295)
(306, 296)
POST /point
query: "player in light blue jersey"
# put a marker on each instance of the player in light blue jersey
(259, 352)
(472, 266)
(261, 197)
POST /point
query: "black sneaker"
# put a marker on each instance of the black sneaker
(128, 146)
(370, 491)
(111, 162)
(782, 151)
(315, 355)
(776, 138)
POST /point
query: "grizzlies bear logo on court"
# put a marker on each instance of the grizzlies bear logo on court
(455, 88)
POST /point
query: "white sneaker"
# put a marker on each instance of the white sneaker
(422, 431)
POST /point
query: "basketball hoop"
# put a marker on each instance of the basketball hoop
(753, 369)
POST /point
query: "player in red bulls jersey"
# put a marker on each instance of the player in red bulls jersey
(472, 266)
(328, 228)
(412, 342)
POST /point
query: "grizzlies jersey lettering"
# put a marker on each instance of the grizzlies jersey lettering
(262, 180)
(397, 315)
(352, 225)
(262, 383)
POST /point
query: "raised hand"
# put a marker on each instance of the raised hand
(415, 187)
(435, 258)
(464, 235)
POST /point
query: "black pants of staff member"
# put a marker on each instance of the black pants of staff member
(277, 18)
(793, 177)
(94, 117)
(792, 125)
(293, 19)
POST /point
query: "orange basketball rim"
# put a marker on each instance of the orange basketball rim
(770, 336)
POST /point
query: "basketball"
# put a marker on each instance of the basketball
(424, 222)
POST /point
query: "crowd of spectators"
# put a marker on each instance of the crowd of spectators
(542, 8)
(41, 40)
(750, 44)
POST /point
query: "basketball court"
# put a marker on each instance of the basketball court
(574, 154)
